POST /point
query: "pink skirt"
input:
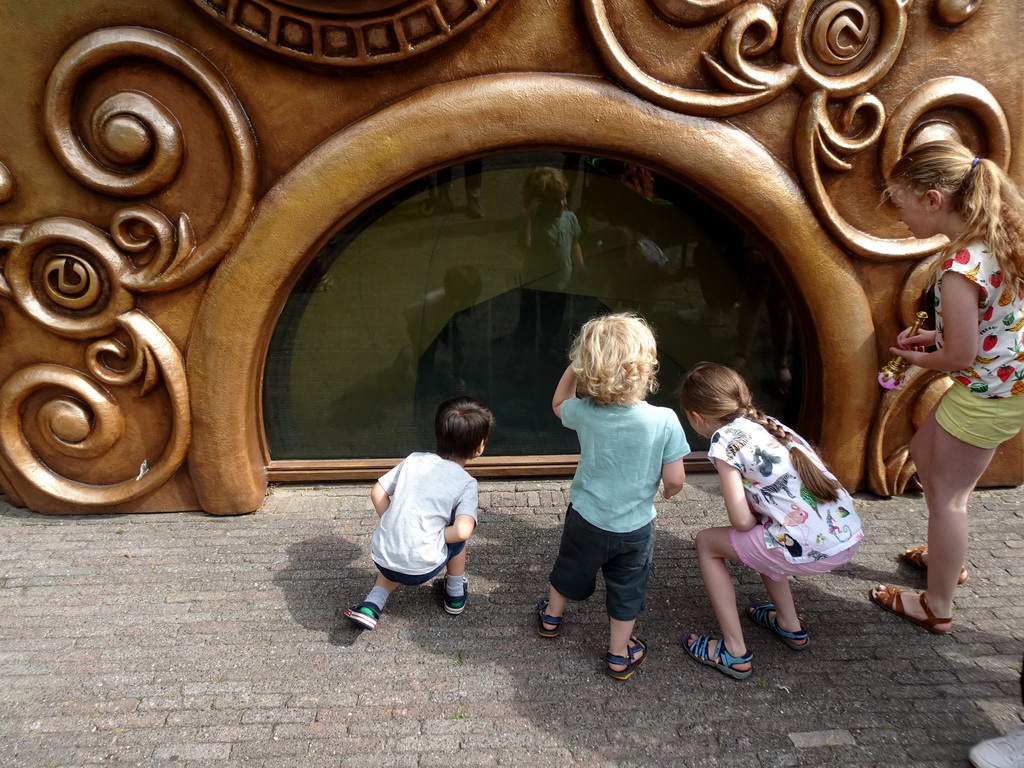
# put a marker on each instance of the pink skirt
(754, 553)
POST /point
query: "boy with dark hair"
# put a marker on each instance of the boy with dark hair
(427, 509)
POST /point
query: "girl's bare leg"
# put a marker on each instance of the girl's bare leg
(949, 469)
(713, 549)
(785, 609)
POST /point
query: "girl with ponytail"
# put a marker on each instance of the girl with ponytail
(941, 188)
(788, 515)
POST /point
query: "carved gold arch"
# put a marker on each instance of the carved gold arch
(132, 398)
(227, 462)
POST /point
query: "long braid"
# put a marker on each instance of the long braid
(821, 486)
(720, 393)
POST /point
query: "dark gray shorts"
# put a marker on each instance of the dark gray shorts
(624, 558)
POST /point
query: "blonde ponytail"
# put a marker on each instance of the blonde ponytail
(989, 201)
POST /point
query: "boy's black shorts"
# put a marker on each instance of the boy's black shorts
(624, 558)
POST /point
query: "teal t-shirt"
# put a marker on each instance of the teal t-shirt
(548, 262)
(622, 450)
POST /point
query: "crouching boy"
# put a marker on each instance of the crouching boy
(427, 508)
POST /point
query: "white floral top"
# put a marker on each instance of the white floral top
(792, 518)
(998, 369)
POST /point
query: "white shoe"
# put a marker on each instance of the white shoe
(1004, 752)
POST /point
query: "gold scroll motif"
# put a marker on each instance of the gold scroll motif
(80, 282)
(833, 53)
(347, 33)
(145, 149)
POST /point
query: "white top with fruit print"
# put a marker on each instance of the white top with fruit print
(998, 370)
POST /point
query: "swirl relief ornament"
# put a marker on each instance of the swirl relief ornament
(347, 33)
(83, 283)
(834, 52)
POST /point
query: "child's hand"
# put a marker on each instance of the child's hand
(917, 342)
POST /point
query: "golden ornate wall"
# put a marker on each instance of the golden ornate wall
(169, 167)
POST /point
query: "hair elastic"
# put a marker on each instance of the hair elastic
(974, 162)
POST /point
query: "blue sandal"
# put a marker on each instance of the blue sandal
(543, 618)
(632, 650)
(758, 613)
(698, 649)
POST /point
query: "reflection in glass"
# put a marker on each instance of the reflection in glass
(473, 281)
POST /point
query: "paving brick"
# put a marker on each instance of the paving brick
(220, 640)
(192, 752)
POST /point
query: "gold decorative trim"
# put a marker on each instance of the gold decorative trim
(833, 52)
(749, 85)
(343, 34)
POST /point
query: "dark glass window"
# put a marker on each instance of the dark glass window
(433, 292)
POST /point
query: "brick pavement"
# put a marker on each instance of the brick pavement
(190, 640)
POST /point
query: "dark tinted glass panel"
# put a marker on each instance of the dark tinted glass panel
(433, 292)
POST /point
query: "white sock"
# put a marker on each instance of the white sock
(378, 596)
(453, 584)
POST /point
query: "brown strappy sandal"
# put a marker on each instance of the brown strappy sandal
(893, 602)
(915, 557)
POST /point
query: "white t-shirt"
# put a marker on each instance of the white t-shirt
(427, 493)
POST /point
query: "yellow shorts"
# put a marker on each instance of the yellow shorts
(981, 421)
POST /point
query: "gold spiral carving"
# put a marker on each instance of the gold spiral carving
(962, 94)
(69, 277)
(834, 21)
(140, 150)
(841, 34)
(836, 25)
(748, 85)
(87, 423)
(71, 282)
(817, 140)
(80, 282)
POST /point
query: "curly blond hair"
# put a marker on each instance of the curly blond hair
(615, 359)
(544, 184)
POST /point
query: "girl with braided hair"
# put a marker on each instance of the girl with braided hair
(788, 515)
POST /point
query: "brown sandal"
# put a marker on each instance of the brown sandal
(915, 557)
(893, 602)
